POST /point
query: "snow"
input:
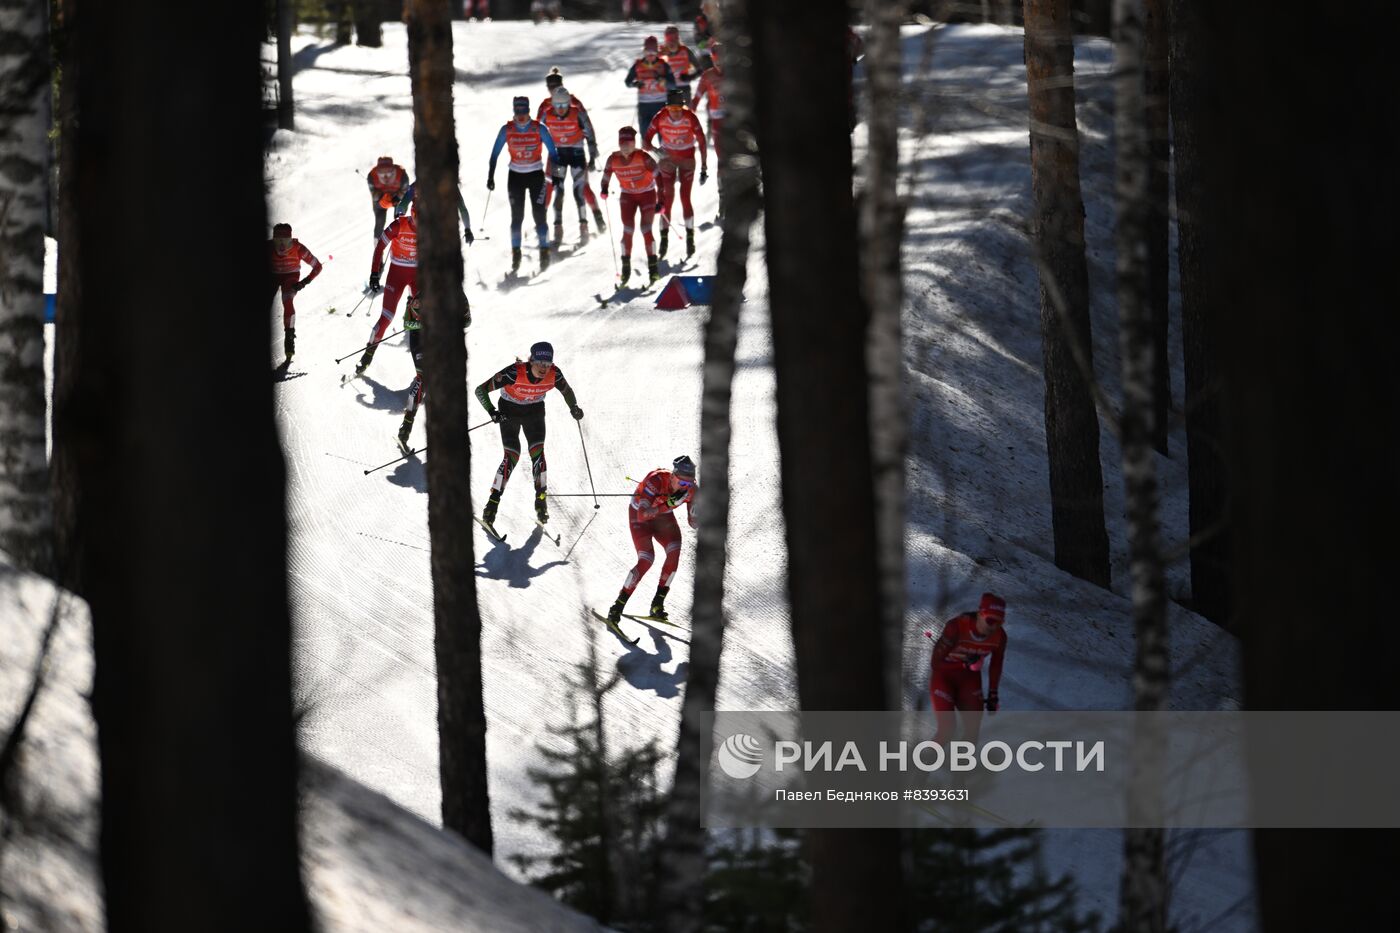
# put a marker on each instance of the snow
(978, 490)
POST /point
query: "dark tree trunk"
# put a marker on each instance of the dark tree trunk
(67, 332)
(683, 866)
(466, 804)
(286, 24)
(338, 11)
(1071, 421)
(1194, 91)
(1143, 893)
(182, 524)
(1156, 86)
(823, 421)
(368, 18)
(1311, 398)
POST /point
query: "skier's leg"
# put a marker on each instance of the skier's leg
(378, 216)
(534, 437)
(510, 455)
(515, 186)
(668, 535)
(535, 182)
(969, 699)
(641, 540)
(666, 184)
(648, 211)
(940, 694)
(580, 179)
(685, 170)
(627, 207)
(400, 277)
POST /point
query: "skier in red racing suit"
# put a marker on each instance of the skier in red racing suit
(649, 517)
(956, 679)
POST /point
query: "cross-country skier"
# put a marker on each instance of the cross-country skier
(387, 183)
(684, 65)
(704, 38)
(481, 9)
(569, 127)
(407, 200)
(955, 682)
(636, 176)
(634, 6)
(680, 133)
(649, 518)
(524, 138)
(285, 256)
(652, 78)
(523, 387)
(555, 80)
(541, 10)
(418, 391)
(711, 91)
(401, 237)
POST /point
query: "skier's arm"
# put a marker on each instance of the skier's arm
(500, 380)
(649, 134)
(631, 79)
(310, 260)
(644, 500)
(495, 153)
(690, 505)
(694, 62)
(378, 262)
(548, 139)
(565, 389)
(946, 642)
(607, 173)
(700, 136)
(588, 136)
(668, 74)
(994, 672)
(462, 210)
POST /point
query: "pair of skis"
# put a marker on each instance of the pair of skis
(617, 629)
(495, 535)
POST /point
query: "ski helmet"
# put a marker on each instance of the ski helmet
(649, 44)
(684, 467)
(553, 79)
(560, 97)
(386, 160)
(675, 97)
(521, 105)
(542, 352)
(673, 32)
(281, 230)
(627, 132)
(993, 607)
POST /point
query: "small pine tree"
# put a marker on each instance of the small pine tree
(756, 882)
(990, 881)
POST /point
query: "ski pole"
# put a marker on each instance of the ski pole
(418, 451)
(368, 345)
(607, 223)
(599, 495)
(596, 504)
(362, 300)
(486, 210)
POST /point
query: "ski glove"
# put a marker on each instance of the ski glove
(300, 285)
(495, 416)
(604, 193)
(593, 162)
(993, 703)
(490, 184)
(674, 499)
(468, 236)
(374, 281)
(577, 413)
(704, 176)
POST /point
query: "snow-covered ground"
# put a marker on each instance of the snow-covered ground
(978, 495)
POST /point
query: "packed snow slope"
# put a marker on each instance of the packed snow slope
(978, 493)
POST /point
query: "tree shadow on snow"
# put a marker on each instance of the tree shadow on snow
(643, 669)
(503, 562)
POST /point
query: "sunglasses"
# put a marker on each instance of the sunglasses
(282, 242)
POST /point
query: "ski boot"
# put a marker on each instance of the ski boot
(514, 259)
(658, 604)
(599, 221)
(626, 269)
(405, 430)
(544, 257)
(689, 242)
(364, 362)
(653, 273)
(289, 342)
(558, 231)
(615, 610)
(661, 250)
(488, 514)
(542, 506)
(582, 232)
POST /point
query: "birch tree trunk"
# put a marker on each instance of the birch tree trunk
(466, 805)
(822, 394)
(1071, 421)
(882, 239)
(1156, 86)
(182, 525)
(286, 24)
(683, 854)
(26, 512)
(1143, 893)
